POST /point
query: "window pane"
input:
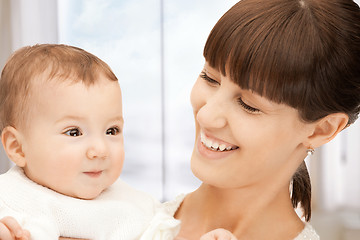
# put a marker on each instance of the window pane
(126, 34)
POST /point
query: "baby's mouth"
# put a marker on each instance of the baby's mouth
(94, 173)
(216, 146)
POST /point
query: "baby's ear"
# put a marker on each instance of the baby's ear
(327, 128)
(11, 141)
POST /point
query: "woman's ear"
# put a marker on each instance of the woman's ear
(327, 128)
(11, 141)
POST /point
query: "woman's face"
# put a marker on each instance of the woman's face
(242, 138)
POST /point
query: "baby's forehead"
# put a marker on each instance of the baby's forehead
(71, 73)
(73, 95)
(44, 80)
(47, 78)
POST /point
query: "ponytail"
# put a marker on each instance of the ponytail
(301, 190)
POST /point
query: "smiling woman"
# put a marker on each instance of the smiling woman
(281, 78)
(252, 66)
(220, 103)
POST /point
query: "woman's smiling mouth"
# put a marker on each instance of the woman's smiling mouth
(215, 145)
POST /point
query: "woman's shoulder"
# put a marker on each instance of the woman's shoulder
(308, 233)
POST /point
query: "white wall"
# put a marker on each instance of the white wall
(24, 22)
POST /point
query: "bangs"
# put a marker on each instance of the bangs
(262, 48)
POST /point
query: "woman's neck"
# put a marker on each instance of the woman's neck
(241, 211)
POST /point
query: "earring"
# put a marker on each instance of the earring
(310, 151)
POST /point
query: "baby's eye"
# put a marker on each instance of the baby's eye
(73, 132)
(113, 131)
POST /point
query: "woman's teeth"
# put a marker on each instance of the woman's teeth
(214, 145)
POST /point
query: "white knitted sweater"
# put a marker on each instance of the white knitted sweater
(120, 212)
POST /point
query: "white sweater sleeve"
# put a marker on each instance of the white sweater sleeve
(22, 201)
(40, 228)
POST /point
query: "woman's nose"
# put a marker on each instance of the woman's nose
(97, 149)
(213, 113)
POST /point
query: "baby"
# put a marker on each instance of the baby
(61, 123)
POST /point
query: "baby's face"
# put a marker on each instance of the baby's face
(74, 140)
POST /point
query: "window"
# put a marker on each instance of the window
(155, 49)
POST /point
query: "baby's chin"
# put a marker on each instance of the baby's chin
(89, 195)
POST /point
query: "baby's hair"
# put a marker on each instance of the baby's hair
(303, 53)
(46, 62)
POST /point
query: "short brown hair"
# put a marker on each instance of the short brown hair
(56, 61)
(303, 53)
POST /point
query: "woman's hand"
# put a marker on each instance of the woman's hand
(218, 234)
(10, 229)
(65, 238)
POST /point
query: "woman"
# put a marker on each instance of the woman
(281, 78)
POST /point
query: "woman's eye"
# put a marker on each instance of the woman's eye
(247, 107)
(113, 131)
(74, 132)
(210, 80)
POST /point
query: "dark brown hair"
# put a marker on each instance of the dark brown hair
(303, 53)
(50, 61)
